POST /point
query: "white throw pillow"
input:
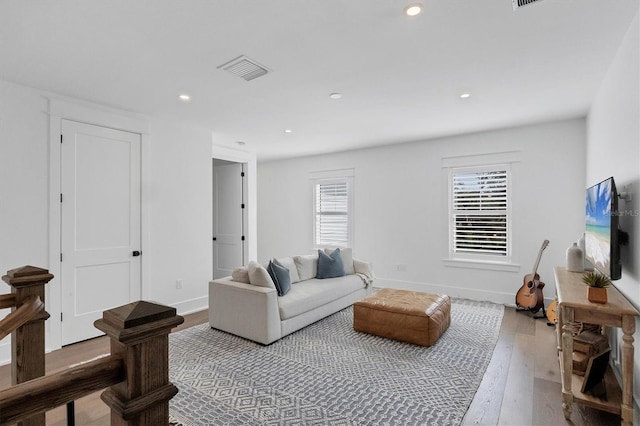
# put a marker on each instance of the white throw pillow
(347, 259)
(364, 268)
(241, 275)
(288, 263)
(259, 276)
(307, 266)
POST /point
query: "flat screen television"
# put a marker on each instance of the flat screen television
(601, 239)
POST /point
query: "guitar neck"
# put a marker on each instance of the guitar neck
(545, 243)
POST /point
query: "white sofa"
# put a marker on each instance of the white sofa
(255, 312)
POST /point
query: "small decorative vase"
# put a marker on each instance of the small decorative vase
(597, 294)
(584, 252)
(575, 262)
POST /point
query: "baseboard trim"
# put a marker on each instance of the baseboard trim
(190, 306)
(507, 299)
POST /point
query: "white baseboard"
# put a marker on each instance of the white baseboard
(507, 299)
(190, 306)
(458, 292)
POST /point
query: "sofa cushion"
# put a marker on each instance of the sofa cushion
(307, 266)
(288, 263)
(330, 265)
(347, 259)
(241, 275)
(280, 276)
(311, 294)
(259, 276)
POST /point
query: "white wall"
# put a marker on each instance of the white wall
(180, 227)
(177, 195)
(401, 207)
(24, 163)
(23, 184)
(613, 149)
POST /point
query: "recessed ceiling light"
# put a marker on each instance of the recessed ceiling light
(184, 97)
(288, 131)
(465, 95)
(413, 9)
(335, 95)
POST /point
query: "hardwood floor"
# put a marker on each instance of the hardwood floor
(521, 385)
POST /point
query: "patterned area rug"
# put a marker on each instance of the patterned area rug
(329, 374)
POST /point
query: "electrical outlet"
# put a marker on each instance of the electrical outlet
(179, 284)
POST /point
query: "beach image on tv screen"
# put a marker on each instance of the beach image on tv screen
(598, 226)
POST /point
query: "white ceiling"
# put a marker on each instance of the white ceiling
(400, 77)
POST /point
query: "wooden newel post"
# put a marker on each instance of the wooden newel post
(27, 341)
(139, 332)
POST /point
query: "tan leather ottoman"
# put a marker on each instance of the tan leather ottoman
(408, 316)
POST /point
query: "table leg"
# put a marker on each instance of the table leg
(567, 360)
(626, 408)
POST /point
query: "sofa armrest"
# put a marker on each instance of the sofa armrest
(245, 310)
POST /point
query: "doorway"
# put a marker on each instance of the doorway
(229, 216)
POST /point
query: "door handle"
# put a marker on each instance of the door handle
(136, 253)
(214, 238)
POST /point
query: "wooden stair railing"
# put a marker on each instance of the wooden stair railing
(56, 389)
(25, 313)
(136, 373)
(7, 301)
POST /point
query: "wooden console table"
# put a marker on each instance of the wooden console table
(617, 312)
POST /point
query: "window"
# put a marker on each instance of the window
(332, 212)
(479, 207)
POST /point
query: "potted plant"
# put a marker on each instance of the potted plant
(597, 286)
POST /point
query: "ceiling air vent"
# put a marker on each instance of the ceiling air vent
(245, 68)
(520, 3)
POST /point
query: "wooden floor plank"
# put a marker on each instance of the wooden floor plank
(485, 407)
(547, 403)
(525, 323)
(517, 404)
(546, 353)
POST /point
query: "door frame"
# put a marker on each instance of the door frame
(251, 194)
(243, 212)
(83, 112)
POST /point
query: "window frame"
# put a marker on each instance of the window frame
(327, 178)
(455, 255)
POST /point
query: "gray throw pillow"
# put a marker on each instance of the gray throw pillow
(330, 265)
(347, 259)
(280, 276)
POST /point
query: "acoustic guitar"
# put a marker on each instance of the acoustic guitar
(530, 294)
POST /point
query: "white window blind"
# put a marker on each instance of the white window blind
(479, 202)
(332, 213)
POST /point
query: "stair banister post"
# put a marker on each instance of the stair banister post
(27, 341)
(139, 332)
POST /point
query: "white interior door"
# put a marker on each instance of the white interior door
(227, 218)
(100, 229)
